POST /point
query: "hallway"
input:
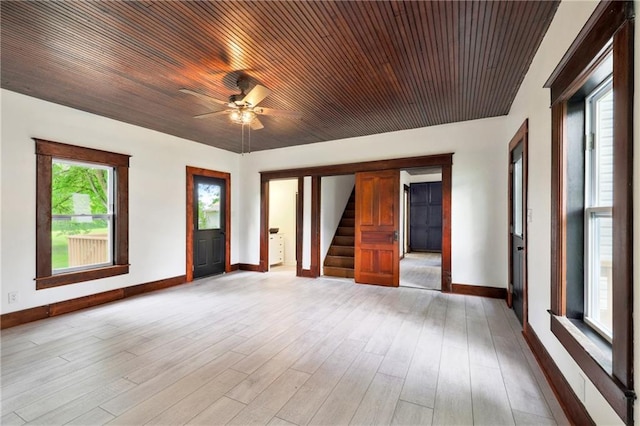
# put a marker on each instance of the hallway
(421, 270)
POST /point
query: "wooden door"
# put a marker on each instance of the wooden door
(426, 217)
(377, 258)
(209, 224)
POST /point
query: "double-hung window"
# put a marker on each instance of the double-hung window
(598, 309)
(592, 203)
(82, 214)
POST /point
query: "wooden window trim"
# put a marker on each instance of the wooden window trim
(45, 152)
(611, 20)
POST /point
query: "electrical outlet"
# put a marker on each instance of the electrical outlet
(529, 215)
(13, 297)
(581, 391)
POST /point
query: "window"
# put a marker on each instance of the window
(598, 212)
(592, 204)
(82, 214)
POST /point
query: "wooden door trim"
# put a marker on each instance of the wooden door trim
(521, 136)
(366, 166)
(191, 173)
(446, 229)
(299, 225)
(445, 161)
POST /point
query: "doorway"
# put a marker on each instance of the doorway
(313, 174)
(208, 224)
(421, 266)
(517, 295)
(283, 202)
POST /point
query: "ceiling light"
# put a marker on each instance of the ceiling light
(247, 117)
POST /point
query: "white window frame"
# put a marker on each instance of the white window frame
(109, 216)
(593, 210)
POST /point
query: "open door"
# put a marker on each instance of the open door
(377, 259)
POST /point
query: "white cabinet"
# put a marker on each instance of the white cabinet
(276, 249)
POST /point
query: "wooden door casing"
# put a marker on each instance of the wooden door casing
(377, 258)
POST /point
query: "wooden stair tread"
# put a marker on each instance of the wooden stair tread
(336, 271)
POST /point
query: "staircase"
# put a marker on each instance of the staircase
(339, 260)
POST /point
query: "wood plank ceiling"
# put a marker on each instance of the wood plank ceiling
(351, 68)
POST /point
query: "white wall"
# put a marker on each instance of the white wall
(334, 194)
(431, 177)
(282, 214)
(532, 102)
(157, 194)
(479, 242)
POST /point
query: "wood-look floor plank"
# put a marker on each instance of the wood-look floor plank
(398, 358)
(259, 380)
(142, 403)
(379, 403)
(199, 350)
(95, 417)
(422, 378)
(408, 414)
(453, 404)
(455, 329)
(262, 409)
(218, 413)
(11, 419)
(490, 401)
(479, 335)
(262, 354)
(343, 401)
(304, 404)
(80, 406)
(522, 388)
(37, 388)
(527, 419)
(195, 403)
(277, 421)
(379, 344)
(321, 351)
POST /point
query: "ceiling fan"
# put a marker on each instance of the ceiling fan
(242, 108)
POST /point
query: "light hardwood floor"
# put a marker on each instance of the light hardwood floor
(250, 348)
(421, 270)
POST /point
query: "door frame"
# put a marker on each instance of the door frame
(191, 173)
(521, 136)
(314, 268)
(445, 161)
(406, 219)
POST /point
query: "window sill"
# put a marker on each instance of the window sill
(595, 362)
(77, 277)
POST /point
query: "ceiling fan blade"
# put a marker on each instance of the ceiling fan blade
(214, 113)
(203, 97)
(278, 112)
(256, 124)
(256, 95)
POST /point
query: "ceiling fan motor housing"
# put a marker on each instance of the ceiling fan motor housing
(236, 99)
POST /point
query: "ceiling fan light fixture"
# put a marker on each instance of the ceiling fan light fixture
(247, 117)
(235, 115)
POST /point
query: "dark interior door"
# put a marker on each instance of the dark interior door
(377, 259)
(517, 230)
(209, 219)
(426, 217)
